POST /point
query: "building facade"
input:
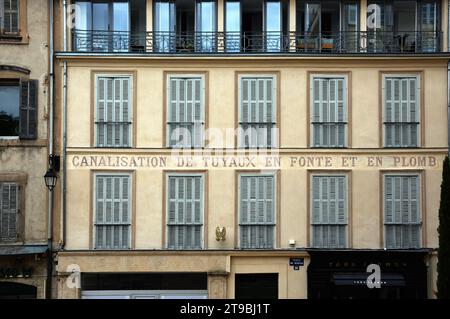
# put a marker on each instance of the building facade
(233, 149)
(24, 114)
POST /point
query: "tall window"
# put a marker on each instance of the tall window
(185, 212)
(186, 115)
(9, 207)
(402, 217)
(112, 211)
(257, 211)
(9, 17)
(18, 109)
(401, 111)
(329, 111)
(113, 111)
(329, 211)
(257, 114)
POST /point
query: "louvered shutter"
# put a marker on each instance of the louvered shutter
(329, 211)
(401, 111)
(186, 112)
(2, 16)
(185, 217)
(112, 224)
(257, 211)
(9, 208)
(257, 112)
(28, 109)
(9, 13)
(113, 111)
(328, 112)
(402, 211)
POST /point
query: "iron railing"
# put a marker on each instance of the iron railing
(371, 42)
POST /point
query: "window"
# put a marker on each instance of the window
(402, 217)
(185, 212)
(186, 118)
(112, 211)
(257, 115)
(329, 111)
(257, 211)
(401, 111)
(18, 109)
(9, 209)
(9, 17)
(329, 211)
(114, 111)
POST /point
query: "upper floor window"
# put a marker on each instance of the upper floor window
(110, 26)
(185, 211)
(113, 115)
(404, 26)
(9, 17)
(256, 26)
(9, 210)
(186, 111)
(401, 111)
(257, 219)
(327, 26)
(329, 111)
(257, 111)
(329, 211)
(18, 109)
(402, 213)
(188, 25)
(112, 212)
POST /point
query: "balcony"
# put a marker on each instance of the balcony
(342, 42)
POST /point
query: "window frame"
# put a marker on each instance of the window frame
(203, 76)
(275, 208)
(419, 111)
(347, 202)
(20, 179)
(275, 77)
(131, 76)
(21, 36)
(420, 205)
(347, 108)
(131, 199)
(13, 82)
(203, 196)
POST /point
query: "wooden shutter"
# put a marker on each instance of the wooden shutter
(10, 16)
(28, 109)
(401, 111)
(112, 212)
(257, 211)
(2, 16)
(328, 112)
(186, 112)
(257, 112)
(9, 207)
(114, 111)
(329, 211)
(402, 217)
(185, 216)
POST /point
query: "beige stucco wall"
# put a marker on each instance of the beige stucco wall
(30, 157)
(221, 188)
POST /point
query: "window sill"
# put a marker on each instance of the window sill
(13, 39)
(16, 142)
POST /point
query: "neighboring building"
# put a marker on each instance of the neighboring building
(24, 105)
(340, 108)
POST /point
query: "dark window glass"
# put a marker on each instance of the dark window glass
(9, 109)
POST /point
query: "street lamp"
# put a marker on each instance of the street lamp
(50, 179)
(53, 167)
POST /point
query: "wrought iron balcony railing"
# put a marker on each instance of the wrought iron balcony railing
(371, 42)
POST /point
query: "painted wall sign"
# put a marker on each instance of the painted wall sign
(258, 161)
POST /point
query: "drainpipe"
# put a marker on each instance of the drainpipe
(64, 183)
(48, 292)
(64, 132)
(448, 108)
(64, 15)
